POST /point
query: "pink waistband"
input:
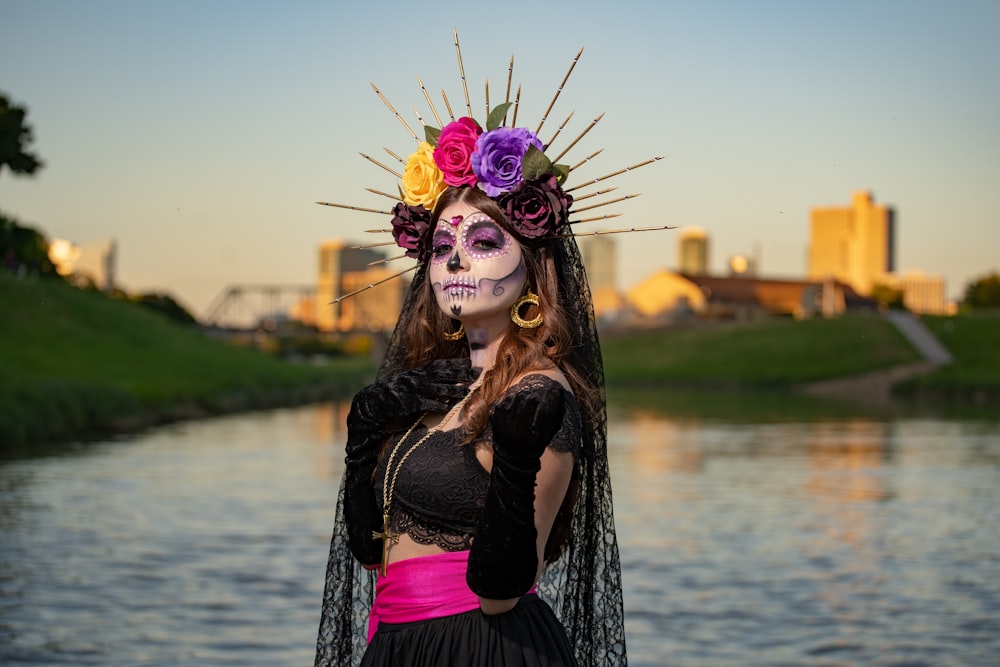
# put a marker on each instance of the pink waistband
(420, 588)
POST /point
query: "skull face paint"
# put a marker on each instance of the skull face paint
(476, 266)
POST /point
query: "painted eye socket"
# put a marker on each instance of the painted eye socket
(442, 245)
(484, 236)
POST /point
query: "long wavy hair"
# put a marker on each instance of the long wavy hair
(583, 584)
(521, 351)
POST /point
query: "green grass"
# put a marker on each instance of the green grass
(75, 362)
(974, 340)
(768, 354)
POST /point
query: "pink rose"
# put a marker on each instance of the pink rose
(453, 154)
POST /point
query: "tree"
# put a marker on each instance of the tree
(24, 250)
(983, 293)
(888, 297)
(165, 305)
(15, 138)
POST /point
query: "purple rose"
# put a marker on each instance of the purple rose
(537, 208)
(497, 160)
(408, 226)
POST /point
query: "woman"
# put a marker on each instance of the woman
(476, 500)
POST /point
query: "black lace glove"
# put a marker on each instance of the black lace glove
(435, 387)
(503, 559)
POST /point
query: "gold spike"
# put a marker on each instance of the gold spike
(376, 162)
(388, 259)
(510, 76)
(605, 203)
(582, 135)
(394, 112)
(559, 90)
(620, 171)
(372, 245)
(451, 113)
(517, 103)
(427, 97)
(621, 231)
(396, 197)
(487, 99)
(375, 284)
(419, 117)
(582, 197)
(586, 159)
(558, 130)
(377, 231)
(401, 160)
(355, 208)
(461, 70)
(595, 219)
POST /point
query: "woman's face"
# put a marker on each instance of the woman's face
(476, 268)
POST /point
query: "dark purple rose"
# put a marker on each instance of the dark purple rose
(497, 160)
(537, 208)
(408, 226)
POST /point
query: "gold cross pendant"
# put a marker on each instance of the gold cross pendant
(386, 537)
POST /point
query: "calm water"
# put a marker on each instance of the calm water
(791, 540)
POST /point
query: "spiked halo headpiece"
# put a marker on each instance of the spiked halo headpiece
(510, 163)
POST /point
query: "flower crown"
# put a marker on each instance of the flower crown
(508, 163)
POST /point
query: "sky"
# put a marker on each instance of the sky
(199, 135)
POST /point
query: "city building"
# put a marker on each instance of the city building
(692, 251)
(853, 244)
(921, 293)
(599, 255)
(342, 270)
(668, 295)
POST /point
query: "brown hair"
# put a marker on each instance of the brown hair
(521, 351)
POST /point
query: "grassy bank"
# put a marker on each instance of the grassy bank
(772, 354)
(77, 363)
(74, 363)
(974, 377)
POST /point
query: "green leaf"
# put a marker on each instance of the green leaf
(535, 164)
(562, 172)
(431, 135)
(497, 115)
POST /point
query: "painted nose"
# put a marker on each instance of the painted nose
(455, 262)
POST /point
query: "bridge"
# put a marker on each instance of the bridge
(246, 306)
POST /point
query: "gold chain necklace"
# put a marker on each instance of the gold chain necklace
(389, 484)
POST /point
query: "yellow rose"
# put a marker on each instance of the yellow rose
(423, 182)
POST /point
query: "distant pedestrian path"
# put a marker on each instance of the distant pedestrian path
(920, 337)
(876, 386)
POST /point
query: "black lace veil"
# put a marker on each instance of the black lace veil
(584, 585)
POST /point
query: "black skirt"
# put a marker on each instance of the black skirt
(529, 635)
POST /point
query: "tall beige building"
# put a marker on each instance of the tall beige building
(342, 270)
(600, 260)
(853, 244)
(921, 293)
(692, 251)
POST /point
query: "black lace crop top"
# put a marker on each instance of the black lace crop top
(441, 487)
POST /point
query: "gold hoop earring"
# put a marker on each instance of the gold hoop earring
(457, 335)
(515, 315)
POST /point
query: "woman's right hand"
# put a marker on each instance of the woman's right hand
(434, 387)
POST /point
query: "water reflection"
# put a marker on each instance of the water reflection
(753, 531)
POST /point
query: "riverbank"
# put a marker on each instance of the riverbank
(77, 364)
